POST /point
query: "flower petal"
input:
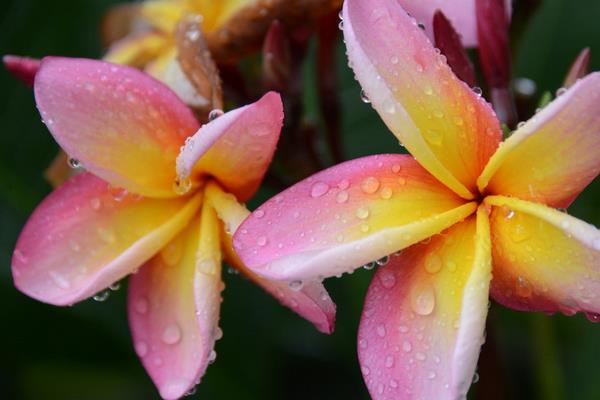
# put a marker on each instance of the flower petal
(461, 13)
(22, 68)
(122, 125)
(424, 316)
(137, 50)
(347, 216)
(174, 308)
(310, 300)
(85, 236)
(450, 130)
(544, 259)
(237, 147)
(554, 156)
(163, 15)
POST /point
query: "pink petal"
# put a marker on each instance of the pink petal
(346, 216)
(86, 235)
(460, 12)
(544, 259)
(22, 68)
(122, 125)
(424, 317)
(554, 156)
(237, 147)
(174, 314)
(448, 128)
(310, 300)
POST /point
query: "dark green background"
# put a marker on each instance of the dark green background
(84, 352)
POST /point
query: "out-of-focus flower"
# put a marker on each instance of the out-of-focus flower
(154, 202)
(232, 29)
(461, 13)
(464, 205)
(579, 69)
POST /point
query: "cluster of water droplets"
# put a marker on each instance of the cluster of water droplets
(105, 294)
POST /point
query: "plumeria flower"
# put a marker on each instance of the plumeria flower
(461, 13)
(146, 208)
(463, 207)
(233, 29)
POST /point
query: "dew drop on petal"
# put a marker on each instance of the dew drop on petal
(370, 185)
(319, 189)
(362, 213)
(214, 114)
(296, 285)
(171, 334)
(422, 300)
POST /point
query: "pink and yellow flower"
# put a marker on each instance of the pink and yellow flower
(148, 203)
(473, 216)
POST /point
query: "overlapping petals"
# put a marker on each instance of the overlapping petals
(461, 13)
(424, 316)
(346, 216)
(544, 259)
(122, 125)
(310, 300)
(554, 156)
(241, 140)
(448, 128)
(87, 235)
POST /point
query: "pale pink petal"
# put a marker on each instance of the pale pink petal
(174, 313)
(121, 124)
(442, 122)
(310, 299)
(424, 316)
(554, 155)
(460, 12)
(86, 235)
(237, 147)
(346, 216)
(544, 259)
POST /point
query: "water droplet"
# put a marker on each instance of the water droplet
(370, 266)
(380, 330)
(420, 356)
(386, 193)
(389, 106)
(362, 213)
(406, 346)
(389, 361)
(364, 98)
(451, 265)
(433, 263)
(95, 203)
(296, 285)
(362, 343)
(522, 287)
(476, 378)
(431, 375)
(182, 186)
(394, 383)
(428, 90)
(365, 370)
(261, 241)
(107, 235)
(403, 328)
(434, 137)
(561, 91)
(422, 300)
(342, 197)
(207, 266)
(59, 280)
(341, 26)
(477, 90)
(383, 261)
(171, 334)
(519, 233)
(102, 296)
(364, 228)
(396, 168)
(214, 114)
(174, 387)
(370, 185)
(117, 193)
(593, 317)
(394, 60)
(171, 254)
(74, 163)
(520, 124)
(387, 278)
(115, 286)
(141, 348)
(212, 357)
(458, 121)
(401, 181)
(141, 305)
(259, 213)
(319, 189)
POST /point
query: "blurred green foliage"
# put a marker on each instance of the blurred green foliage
(84, 352)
